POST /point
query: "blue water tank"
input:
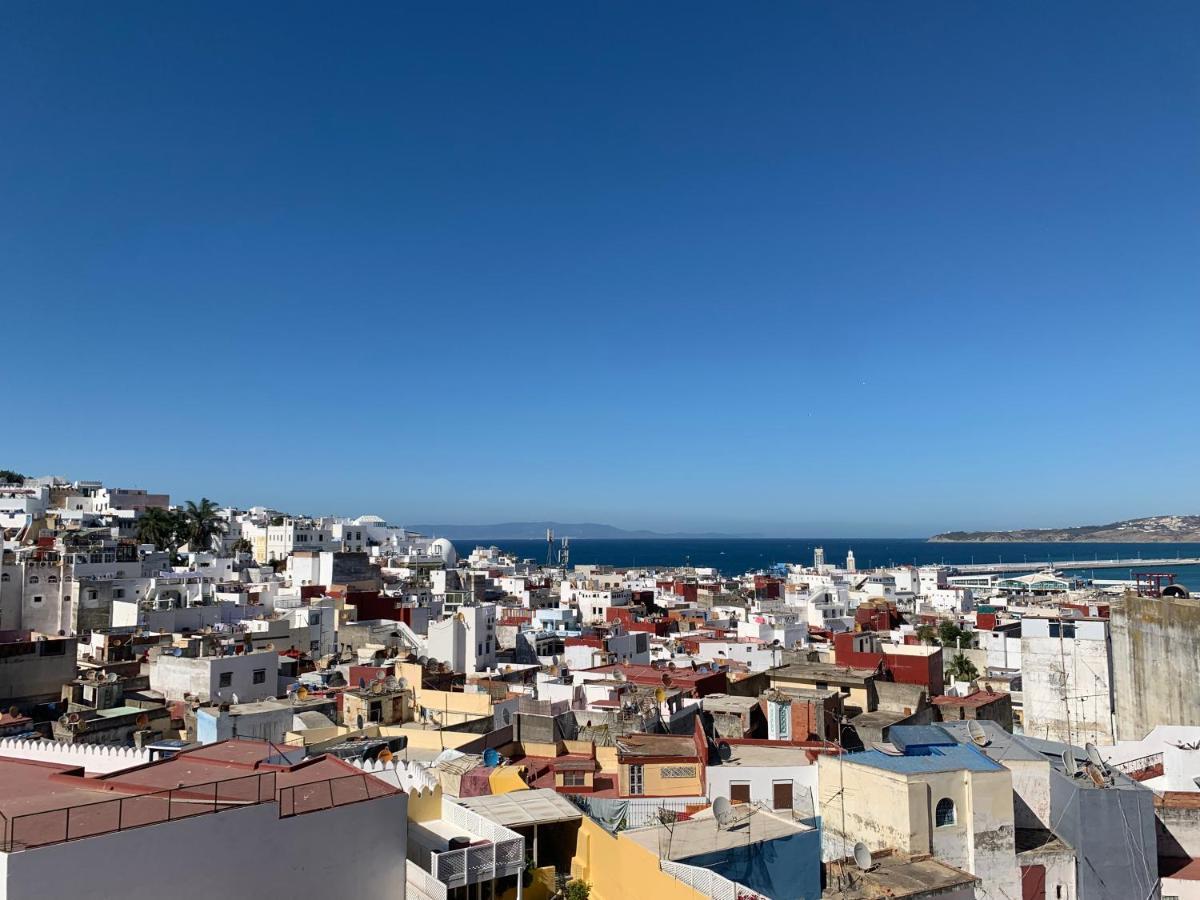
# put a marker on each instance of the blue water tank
(491, 757)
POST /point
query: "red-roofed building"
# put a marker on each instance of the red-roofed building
(693, 683)
(225, 802)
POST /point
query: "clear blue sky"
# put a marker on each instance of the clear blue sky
(810, 268)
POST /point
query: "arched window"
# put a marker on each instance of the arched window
(4, 577)
(33, 579)
(53, 579)
(944, 815)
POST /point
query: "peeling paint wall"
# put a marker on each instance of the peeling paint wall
(1156, 663)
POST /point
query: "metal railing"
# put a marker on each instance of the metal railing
(1141, 764)
(296, 800)
(58, 826)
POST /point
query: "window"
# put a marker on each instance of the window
(739, 791)
(118, 593)
(225, 679)
(37, 598)
(53, 579)
(781, 795)
(574, 779)
(260, 676)
(33, 579)
(944, 815)
(636, 780)
(678, 771)
(4, 577)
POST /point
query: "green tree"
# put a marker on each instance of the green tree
(927, 634)
(203, 524)
(8, 476)
(950, 635)
(241, 545)
(156, 526)
(962, 669)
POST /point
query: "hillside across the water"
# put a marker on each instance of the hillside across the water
(1151, 530)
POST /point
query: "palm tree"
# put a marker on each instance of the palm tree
(156, 526)
(241, 545)
(962, 669)
(203, 524)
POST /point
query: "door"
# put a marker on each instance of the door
(739, 792)
(781, 795)
(1033, 883)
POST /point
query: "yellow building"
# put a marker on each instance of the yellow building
(661, 765)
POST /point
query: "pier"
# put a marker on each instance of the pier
(1144, 564)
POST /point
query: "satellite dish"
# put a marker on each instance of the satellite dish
(1094, 757)
(362, 683)
(554, 660)
(724, 751)
(723, 811)
(143, 720)
(1096, 775)
(978, 735)
(359, 721)
(1069, 764)
(862, 856)
(13, 711)
(302, 693)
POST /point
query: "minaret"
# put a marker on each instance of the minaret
(850, 562)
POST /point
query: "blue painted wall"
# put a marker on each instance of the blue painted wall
(784, 869)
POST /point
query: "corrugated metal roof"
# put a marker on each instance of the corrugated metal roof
(540, 807)
(904, 736)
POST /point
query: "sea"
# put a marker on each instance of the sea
(735, 556)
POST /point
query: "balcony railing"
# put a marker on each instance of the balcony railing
(708, 882)
(503, 854)
(57, 826)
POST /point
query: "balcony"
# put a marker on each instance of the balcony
(491, 851)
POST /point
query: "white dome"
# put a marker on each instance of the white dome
(443, 548)
(369, 520)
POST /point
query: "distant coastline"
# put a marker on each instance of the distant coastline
(592, 531)
(1149, 530)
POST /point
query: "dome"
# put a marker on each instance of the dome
(443, 548)
(369, 520)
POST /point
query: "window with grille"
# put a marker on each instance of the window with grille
(944, 814)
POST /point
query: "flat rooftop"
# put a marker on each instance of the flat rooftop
(893, 875)
(701, 834)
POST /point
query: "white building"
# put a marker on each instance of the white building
(245, 676)
(1066, 678)
(466, 641)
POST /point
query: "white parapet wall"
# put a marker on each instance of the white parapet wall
(94, 758)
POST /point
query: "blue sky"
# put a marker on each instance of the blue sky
(802, 268)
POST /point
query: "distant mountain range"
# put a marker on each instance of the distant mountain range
(1151, 530)
(536, 531)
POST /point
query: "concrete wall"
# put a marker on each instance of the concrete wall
(1156, 663)
(762, 780)
(618, 868)
(1086, 685)
(257, 855)
(39, 674)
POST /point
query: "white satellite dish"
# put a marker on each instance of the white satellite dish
(862, 856)
(978, 735)
(1094, 756)
(723, 811)
(1069, 763)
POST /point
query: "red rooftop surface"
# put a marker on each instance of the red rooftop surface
(48, 803)
(686, 679)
